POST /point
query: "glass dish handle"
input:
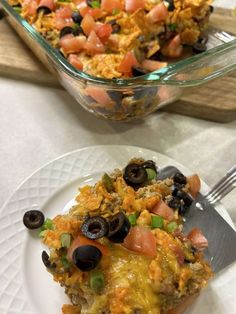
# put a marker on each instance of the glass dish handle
(196, 71)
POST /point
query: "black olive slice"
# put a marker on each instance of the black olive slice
(183, 209)
(138, 71)
(135, 175)
(199, 47)
(46, 261)
(86, 257)
(44, 9)
(95, 227)
(211, 8)
(66, 30)
(150, 164)
(119, 227)
(115, 26)
(174, 203)
(187, 199)
(171, 6)
(33, 219)
(179, 178)
(76, 17)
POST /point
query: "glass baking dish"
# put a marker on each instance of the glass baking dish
(126, 99)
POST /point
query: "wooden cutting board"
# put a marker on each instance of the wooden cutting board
(214, 101)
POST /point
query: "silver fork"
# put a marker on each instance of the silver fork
(223, 187)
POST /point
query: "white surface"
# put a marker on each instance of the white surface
(22, 272)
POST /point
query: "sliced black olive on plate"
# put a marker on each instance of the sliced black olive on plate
(76, 17)
(179, 178)
(149, 164)
(44, 9)
(46, 261)
(174, 203)
(33, 219)
(135, 175)
(86, 257)
(94, 227)
(138, 71)
(119, 227)
(187, 199)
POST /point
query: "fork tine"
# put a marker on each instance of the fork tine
(223, 187)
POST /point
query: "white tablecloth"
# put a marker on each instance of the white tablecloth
(38, 124)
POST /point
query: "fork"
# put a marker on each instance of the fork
(223, 187)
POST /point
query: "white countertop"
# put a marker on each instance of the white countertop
(38, 124)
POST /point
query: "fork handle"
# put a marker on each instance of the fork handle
(223, 187)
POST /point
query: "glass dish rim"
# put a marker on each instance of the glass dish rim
(161, 76)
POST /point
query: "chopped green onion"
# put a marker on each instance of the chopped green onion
(42, 233)
(108, 183)
(47, 225)
(172, 226)
(172, 27)
(132, 219)
(97, 280)
(17, 9)
(156, 222)
(65, 262)
(151, 173)
(64, 1)
(95, 4)
(115, 11)
(65, 240)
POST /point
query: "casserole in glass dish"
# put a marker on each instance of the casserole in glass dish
(129, 98)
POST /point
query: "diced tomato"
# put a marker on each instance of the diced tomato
(80, 241)
(94, 44)
(133, 5)
(88, 24)
(103, 31)
(173, 49)
(158, 13)
(100, 96)
(152, 65)
(197, 239)
(163, 210)
(64, 12)
(141, 240)
(80, 4)
(96, 13)
(48, 3)
(71, 44)
(179, 253)
(30, 8)
(60, 23)
(75, 61)
(127, 63)
(194, 184)
(110, 5)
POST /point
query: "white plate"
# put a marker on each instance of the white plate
(25, 286)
